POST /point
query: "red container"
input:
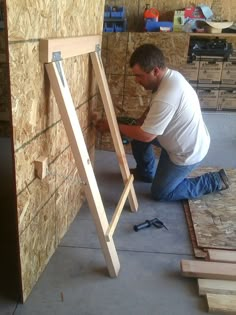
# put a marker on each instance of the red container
(151, 13)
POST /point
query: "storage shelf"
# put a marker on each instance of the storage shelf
(213, 34)
(115, 20)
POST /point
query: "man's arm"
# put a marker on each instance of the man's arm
(136, 132)
(130, 131)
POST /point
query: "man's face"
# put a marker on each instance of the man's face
(149, 80)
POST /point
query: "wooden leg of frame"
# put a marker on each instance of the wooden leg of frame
(113, 125)
(83, 163)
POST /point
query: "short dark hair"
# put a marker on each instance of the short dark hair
(147, 56)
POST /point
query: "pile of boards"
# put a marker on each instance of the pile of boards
(216, 279)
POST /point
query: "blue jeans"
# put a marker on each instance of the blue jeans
(169, 180)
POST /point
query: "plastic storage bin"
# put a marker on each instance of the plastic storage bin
(114, 19)
(153, 26)
(120, 26)
(107, 12)
(117, 12)
(109, 27)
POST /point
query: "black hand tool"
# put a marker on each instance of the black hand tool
(156, 222)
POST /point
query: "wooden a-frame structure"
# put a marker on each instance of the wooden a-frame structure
(52, 52)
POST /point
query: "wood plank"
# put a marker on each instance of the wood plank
(68, 47)
(216, 286)
(119, 208)
(222, 255)
(113, 125)
(208, 269)
(221, 303)
(83, 163)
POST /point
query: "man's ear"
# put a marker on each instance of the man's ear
(156, 71)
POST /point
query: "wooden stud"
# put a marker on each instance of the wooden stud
(52, 51)
(68, 47)
(221, 303)
(119, 209)
(83, 163)
(209, 270)
(113, 125)
(216, 286)
(222, 255)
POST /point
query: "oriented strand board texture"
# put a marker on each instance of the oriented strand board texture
(223, 9)
(214, 216)
(46, 208)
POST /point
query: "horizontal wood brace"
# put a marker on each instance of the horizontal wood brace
(119, 209)
(68, 47)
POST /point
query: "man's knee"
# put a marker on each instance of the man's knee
(160, 193)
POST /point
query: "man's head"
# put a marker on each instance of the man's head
(148, 65)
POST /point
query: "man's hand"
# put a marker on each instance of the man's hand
(100, 124)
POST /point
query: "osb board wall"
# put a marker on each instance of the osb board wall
(224, 9)
(46, 208)
(129, 98)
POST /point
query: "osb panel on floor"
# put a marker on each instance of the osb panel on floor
(214, 216)
(198, 252)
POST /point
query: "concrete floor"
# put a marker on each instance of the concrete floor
(76, 281)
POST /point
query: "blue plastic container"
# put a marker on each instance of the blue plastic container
(107, 11)
(153, 26)
(117, 12)
(109, 27)
(120, 26)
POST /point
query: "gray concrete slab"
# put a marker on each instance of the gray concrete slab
(174, 240)
(83, 234)
(7, 305)
(76, 280)
(222, 129)
(76, 283)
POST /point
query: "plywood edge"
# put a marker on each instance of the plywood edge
(67, 47)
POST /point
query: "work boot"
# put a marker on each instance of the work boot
(224, 179)
(137, 176)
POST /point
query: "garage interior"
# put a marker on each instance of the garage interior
(51, 257)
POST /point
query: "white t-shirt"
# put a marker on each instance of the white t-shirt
(175, 117)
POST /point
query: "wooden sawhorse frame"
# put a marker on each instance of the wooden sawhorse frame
(52, 51)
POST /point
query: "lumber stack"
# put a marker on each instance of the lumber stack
(216, 278)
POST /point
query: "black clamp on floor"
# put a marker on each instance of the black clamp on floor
(155, 222)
